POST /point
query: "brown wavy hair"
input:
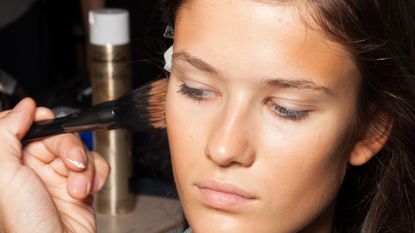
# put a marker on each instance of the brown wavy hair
(378, 197)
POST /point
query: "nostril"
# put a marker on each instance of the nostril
(229, 142)
(230, 152)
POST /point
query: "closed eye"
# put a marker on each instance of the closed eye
(195, 93)
(287, 113)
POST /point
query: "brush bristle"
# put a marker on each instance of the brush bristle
(143, 109)
(157, 103)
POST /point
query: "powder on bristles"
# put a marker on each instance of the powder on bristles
(143, 109)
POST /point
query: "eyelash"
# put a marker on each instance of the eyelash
(195, 93)
(280, 111)
(287, 113)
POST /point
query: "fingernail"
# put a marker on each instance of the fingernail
(80, 186)
(20, 106)
(77, 158)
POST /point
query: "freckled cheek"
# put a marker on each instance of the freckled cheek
(310, 141)
(297, 155)
(186, 132)
(298, 168)
(184, 125)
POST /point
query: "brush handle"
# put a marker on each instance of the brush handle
(98, 117)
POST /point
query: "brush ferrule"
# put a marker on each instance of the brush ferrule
(98, 117)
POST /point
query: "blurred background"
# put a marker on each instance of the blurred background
(43, 55)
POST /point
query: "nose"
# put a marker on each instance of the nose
(229, 141)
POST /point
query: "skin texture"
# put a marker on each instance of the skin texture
(41, 189)
(229, 130)
(282, 143)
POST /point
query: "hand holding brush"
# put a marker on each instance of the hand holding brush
(141, 109)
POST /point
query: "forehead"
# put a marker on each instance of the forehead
(241, 34)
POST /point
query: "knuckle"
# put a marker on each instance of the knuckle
(68, 141)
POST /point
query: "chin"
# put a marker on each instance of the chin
(207, 220)
(222, 225)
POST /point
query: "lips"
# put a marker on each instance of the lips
(223, 195)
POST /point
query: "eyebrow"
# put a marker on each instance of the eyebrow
(195, 62)
(301, 84)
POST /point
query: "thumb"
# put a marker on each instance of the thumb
(18, 121)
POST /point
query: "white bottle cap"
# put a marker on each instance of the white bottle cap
(109, 26)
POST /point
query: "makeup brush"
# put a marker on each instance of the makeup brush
(141, 109)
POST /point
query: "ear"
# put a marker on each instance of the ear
(373, 140)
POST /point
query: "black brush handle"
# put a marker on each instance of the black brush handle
(98, 117)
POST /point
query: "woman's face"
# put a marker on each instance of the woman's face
(258, 108)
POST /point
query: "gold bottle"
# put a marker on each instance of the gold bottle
(111, 77)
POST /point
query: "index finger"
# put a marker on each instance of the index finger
(68, 147)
